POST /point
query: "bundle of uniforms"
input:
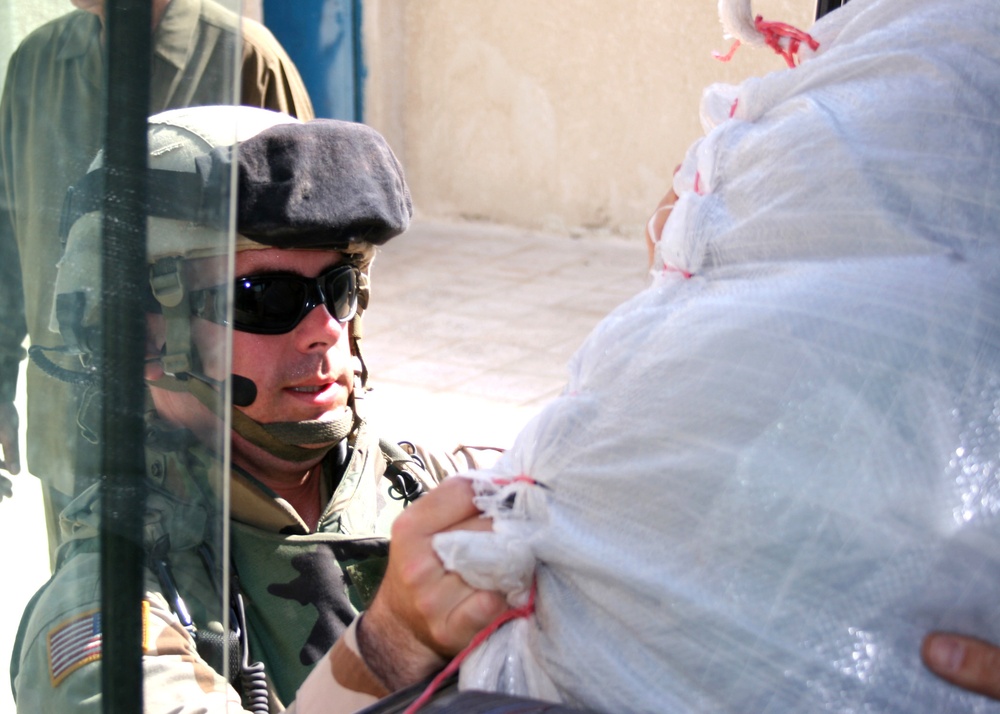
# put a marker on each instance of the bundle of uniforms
(778, 467)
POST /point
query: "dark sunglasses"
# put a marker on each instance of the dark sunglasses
(274, 303)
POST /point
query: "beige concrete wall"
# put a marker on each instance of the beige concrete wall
(565, 115)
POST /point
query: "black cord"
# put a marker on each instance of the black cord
(404, 486)
(37, 355)
(253, 678)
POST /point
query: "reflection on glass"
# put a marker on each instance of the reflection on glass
(51, 126)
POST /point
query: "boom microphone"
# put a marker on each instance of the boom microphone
(244, 391)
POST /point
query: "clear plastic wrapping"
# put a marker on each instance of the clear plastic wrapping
(766, 482)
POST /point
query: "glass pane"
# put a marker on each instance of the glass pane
(53, 302)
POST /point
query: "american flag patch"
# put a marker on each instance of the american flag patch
(73, 644)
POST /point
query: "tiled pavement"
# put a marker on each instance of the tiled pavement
(471, 325)
(467, 336)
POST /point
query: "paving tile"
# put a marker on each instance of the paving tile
(491, 354)
(432, 375)
(510, 388)
(444, 419)
(472, 324)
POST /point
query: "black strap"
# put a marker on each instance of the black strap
(399, 700)
(185, 196)
(246, 677)
(252, 678)
(449, 700)
(211, 645)
(405, 486)
(472, 702)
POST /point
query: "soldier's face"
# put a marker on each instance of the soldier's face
(303, 374)
(306, 373)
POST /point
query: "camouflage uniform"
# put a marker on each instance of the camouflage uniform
(301, 589)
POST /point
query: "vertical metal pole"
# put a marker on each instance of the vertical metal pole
(127, 61)
(358, 55)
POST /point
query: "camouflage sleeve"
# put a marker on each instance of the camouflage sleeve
(440, 463)
(60, 659)
(177, 679)
(340, 683)
(53, 675)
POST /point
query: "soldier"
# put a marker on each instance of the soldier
(50, 129)
(313, 493)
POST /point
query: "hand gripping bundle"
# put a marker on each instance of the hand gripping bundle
(777, 468)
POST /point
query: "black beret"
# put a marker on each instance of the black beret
(321, 184)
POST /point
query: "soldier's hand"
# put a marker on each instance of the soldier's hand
(422, 614)
(654, 226)
(967, 662)
(11, 461)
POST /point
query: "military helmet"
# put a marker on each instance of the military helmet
(323, 184)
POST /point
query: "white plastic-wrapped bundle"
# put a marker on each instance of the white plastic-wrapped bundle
(778, 467)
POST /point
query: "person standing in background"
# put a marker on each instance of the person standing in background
(50, 129)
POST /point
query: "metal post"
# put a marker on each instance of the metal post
(360, 70)
(127, 61)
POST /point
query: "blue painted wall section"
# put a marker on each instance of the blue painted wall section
(323, 38)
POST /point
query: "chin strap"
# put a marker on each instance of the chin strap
(279, 439)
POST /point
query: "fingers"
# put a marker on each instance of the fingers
(12, 454)
(654, 227)
(8, 438)
(476, 523)
(475, 612)
(6, 488)
(422, 613)
(454, 612)
(967, 662)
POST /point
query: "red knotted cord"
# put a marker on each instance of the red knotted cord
(517, 479)
(668, 268)
(774, 33)
(729, 55)
(523, 611)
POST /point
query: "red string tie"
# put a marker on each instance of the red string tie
(524, 611)
(729, 55)
(517, 479)
(786, 40)
(668, 268)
